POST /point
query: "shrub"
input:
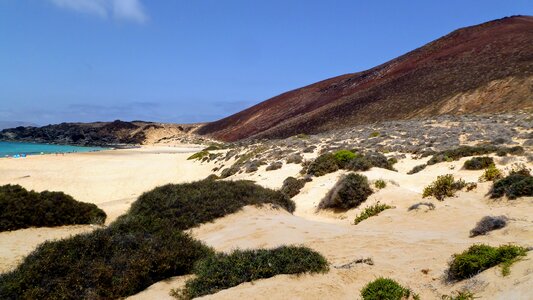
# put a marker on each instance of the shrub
(370, 212)
(214, 146)
(417, 169)
(20, 208)
(191, 204)
(227, 172)
(481, 257)
(478, 163)
(343, 157)
(490, 174)
(349, 192)
(379, 160)
(108, 263)
(223, 271)
(292, 186)
(139, 248)
(199, 155)
(359, 163)
(513, 186)
(464, 151)
(488, 223)
(444, 186)
(384, 288)
(380, 184)
(322, 165)
(471, 186)
(274, 166)
(429, 205)
(374, 134)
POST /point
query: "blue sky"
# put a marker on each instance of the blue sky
(191, 61)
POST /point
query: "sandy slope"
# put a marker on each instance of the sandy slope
(400, 243)
(110, 179)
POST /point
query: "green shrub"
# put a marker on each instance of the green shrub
(417, 169)
(371, 211)
(444, 186)
(513, 186)
(322, 165)
(380, 184)
(384, 288)
(214, 146)
(343, 157)
(199, 155)
(374, 134)
(292, 186)
(478, 163)
(350, 191)
(138, 249)
(115, 262)
(481, 257)
(20, 208)
(491, 173)
(223, 271)
(191, 204)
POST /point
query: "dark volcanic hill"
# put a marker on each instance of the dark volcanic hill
(486, 68)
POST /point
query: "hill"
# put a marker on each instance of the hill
(487, 68)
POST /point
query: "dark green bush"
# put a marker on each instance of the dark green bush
(379, 160)
(481, 257)
(140, 248)
(322, 165)
(384, 289)
(115, 262)
(292, 186)
(417, 169)
(191, 204)
(223, 271)
(444, 186)
(513, 186)
(349, 192)
(371, 211)
(20, 208)
(359, 163)
(478, 163)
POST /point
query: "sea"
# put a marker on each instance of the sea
(16, 149)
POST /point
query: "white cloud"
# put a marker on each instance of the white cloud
(131, 10)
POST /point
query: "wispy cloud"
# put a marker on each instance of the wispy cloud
(130, 10)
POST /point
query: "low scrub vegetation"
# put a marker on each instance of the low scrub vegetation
(20, 208)
(274, 166)
(416, 169)
(380, 184)
(350, 191)
(292, 186)
(385, 288)
(478, 163)
(518, 183)
(199, 155)
(488, 223)
(348, 160)
(371, 211)
(142, 247)
(491, 174)
(444, 186)
(223, 271)
(478, 258)
(460, 295)
(464, 151)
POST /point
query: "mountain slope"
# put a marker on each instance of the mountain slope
(479, 69)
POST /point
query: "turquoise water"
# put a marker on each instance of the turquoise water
(15, 148)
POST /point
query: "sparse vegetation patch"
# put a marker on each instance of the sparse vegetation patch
(385, 288)
(518, 183)
(444, 186)
(416, 169)
(429, 205)
(491, 174)
(478, 163)
(223, 271)
(478, 258)
(20, 208)
(371, 211)
(488, 223)
(350, 191)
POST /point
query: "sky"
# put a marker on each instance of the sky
(189, 61)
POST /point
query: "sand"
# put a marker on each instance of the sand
(401, 243)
